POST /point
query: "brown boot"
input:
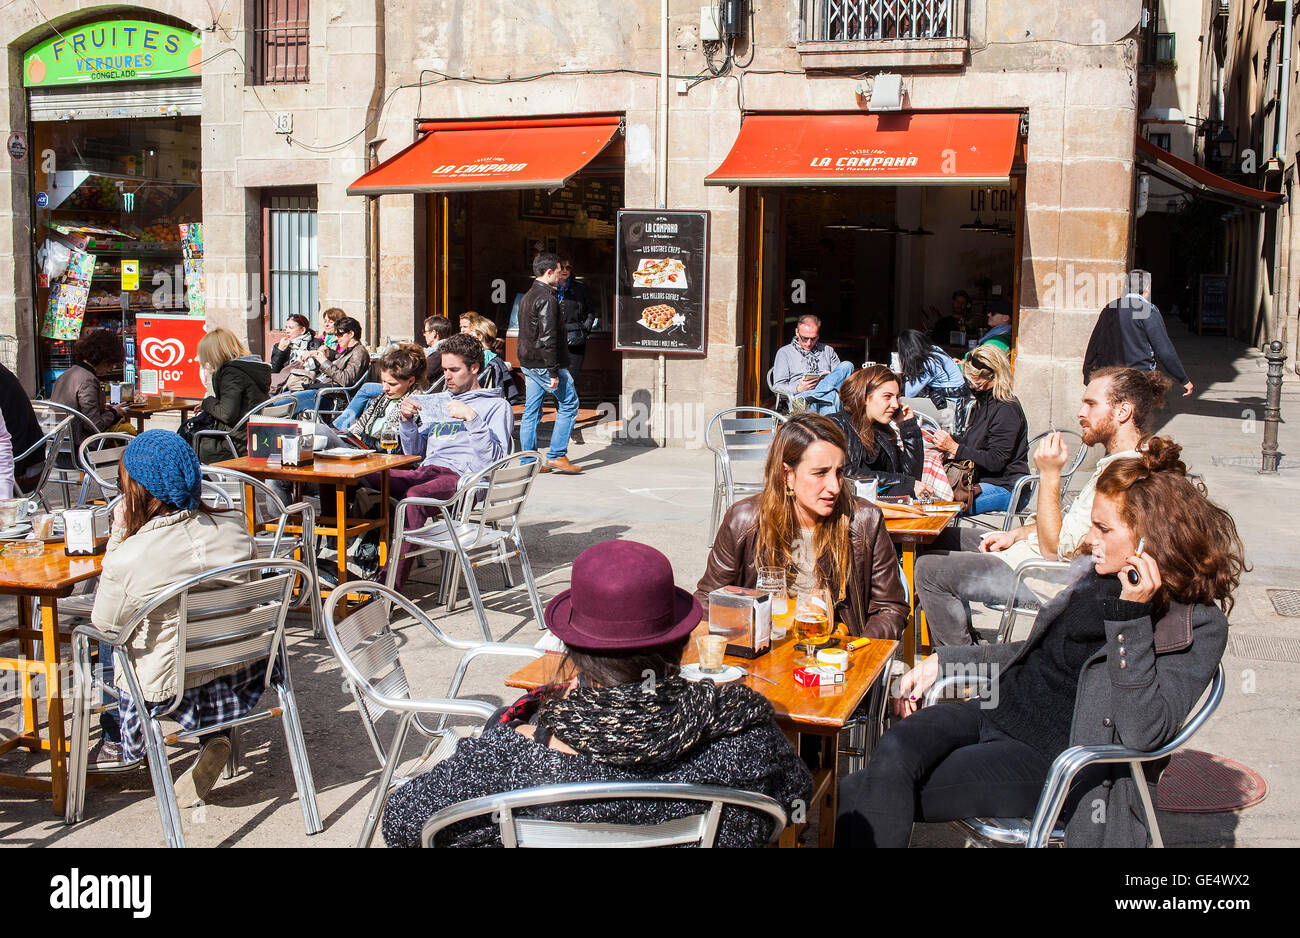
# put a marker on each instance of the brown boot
(562, 465)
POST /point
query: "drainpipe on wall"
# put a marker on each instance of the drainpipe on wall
(661, 431)
(372, 202)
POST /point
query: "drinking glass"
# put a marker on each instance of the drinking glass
(813, 615)
(772, 580)
(388, 440)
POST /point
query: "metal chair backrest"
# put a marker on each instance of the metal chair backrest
(741, 434)
(281, 406)
(337, 391)
(700, 829)
(495, 496)
(99, 457)
(777, 395)
(54, 440)
(367, 652)
(226, 617)
(231, 482)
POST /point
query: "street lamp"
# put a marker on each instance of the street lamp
(1225, 144)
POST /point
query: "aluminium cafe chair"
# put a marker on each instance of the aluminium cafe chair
(281, 530)
(61, 455)
(781, 399)
(337, 398)
(479, 524)
(98, 456)
(1043, 829)
(227, 617)
(699, 829)
(737, 435)
(367, 651)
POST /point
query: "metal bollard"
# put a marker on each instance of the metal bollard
(1272, 405)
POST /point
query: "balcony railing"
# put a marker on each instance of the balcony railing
(868, 20)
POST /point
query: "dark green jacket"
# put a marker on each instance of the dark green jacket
(238, 386)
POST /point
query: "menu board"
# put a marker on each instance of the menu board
(661, 298)
(594, 198)
(1212, 304)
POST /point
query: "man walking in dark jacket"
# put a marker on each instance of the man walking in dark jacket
(1130, 333)
(544, 361)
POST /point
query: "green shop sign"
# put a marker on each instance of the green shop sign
(113, 50)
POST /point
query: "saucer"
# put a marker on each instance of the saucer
(728, 674)
(15, 530)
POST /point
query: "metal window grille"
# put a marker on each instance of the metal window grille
(294, 267)
(279, 41)
(858, 20)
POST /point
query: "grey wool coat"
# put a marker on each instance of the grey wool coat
(1137, 692)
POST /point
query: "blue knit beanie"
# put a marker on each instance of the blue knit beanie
(165, 466)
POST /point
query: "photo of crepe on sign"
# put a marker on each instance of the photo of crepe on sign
(661, 318)
(661, 272)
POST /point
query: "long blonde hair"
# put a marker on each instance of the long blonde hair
(777, 524)
(990, 363)
(218, 347)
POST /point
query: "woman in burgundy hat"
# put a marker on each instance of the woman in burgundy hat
(626, 715)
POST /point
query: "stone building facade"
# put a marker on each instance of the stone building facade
(376, 71)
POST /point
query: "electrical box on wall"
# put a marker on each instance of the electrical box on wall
(709, 31)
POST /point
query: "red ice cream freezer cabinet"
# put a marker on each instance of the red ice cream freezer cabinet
(167, 350)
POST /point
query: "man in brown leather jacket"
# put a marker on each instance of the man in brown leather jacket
(544, 361)
(874, 603)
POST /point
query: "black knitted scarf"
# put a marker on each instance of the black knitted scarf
(640, 724)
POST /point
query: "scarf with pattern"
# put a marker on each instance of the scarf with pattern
(639, 724)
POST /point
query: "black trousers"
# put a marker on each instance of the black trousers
(942, 763)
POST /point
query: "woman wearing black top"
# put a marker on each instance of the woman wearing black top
(997, 436)
(869, 401)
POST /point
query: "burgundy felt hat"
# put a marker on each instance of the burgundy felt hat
(622, 598)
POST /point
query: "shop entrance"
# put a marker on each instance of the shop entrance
(872, 261)
(482, 244)
(111, 197)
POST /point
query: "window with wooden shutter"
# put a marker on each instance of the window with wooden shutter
(279, 41)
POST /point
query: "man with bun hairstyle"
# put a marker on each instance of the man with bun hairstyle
(966, 567)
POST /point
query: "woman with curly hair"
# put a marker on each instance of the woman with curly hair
(94, 355)
(1120, 656)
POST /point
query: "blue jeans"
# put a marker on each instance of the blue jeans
(537, 384)
(369, 391)
(996, 498)
(825, 398)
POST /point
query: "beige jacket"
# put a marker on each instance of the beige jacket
(163, 552)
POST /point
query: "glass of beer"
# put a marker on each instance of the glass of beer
(813, 619)
(388, 440)
(772, 581)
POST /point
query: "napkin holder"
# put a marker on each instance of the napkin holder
(85, 532)
(744, 617)
(296, 450)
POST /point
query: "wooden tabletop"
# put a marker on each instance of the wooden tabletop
(922, 530)
(807, 708)
(53, 573)
(156, 405)
(321, 468)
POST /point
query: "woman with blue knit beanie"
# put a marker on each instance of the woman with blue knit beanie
(162, 534)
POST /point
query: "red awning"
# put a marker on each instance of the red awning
(455, 156)
(859, 149)
(1197, 180)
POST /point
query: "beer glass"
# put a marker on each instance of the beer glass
(813, 620)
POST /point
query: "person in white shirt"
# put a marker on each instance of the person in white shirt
(969, 567)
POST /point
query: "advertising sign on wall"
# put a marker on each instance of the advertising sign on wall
(168, 348)
(661, 301)
(113, 50)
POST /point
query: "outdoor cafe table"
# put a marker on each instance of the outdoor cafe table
(46, 578)
(340, 473)
(812, 713)
(908, 533)
(143, 410)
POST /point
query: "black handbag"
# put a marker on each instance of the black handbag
(194, 423)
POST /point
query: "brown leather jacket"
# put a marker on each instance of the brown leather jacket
(874, 603)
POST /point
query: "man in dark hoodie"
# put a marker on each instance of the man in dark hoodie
(460, 431)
